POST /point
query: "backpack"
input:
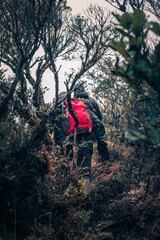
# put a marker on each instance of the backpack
(84, 118)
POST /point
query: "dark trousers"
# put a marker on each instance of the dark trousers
(84, 159)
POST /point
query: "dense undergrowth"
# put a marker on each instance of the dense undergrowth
(124, 202)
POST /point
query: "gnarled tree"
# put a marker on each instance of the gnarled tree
(22, 24)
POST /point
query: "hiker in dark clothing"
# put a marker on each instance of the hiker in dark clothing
(84, 143)
(98, 128)
(84, 140)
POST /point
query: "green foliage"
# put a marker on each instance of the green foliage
(140, 67)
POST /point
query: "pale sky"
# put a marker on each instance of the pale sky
(77, 7)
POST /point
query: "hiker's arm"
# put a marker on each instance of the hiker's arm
(96, 108)
(100, 135)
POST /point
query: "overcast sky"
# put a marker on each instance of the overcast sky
(77, 7)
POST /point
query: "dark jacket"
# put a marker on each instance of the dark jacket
(90, 102)
(95, 113)
(59, 135)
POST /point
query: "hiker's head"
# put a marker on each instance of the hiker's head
(79, 88)
(61, 96)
